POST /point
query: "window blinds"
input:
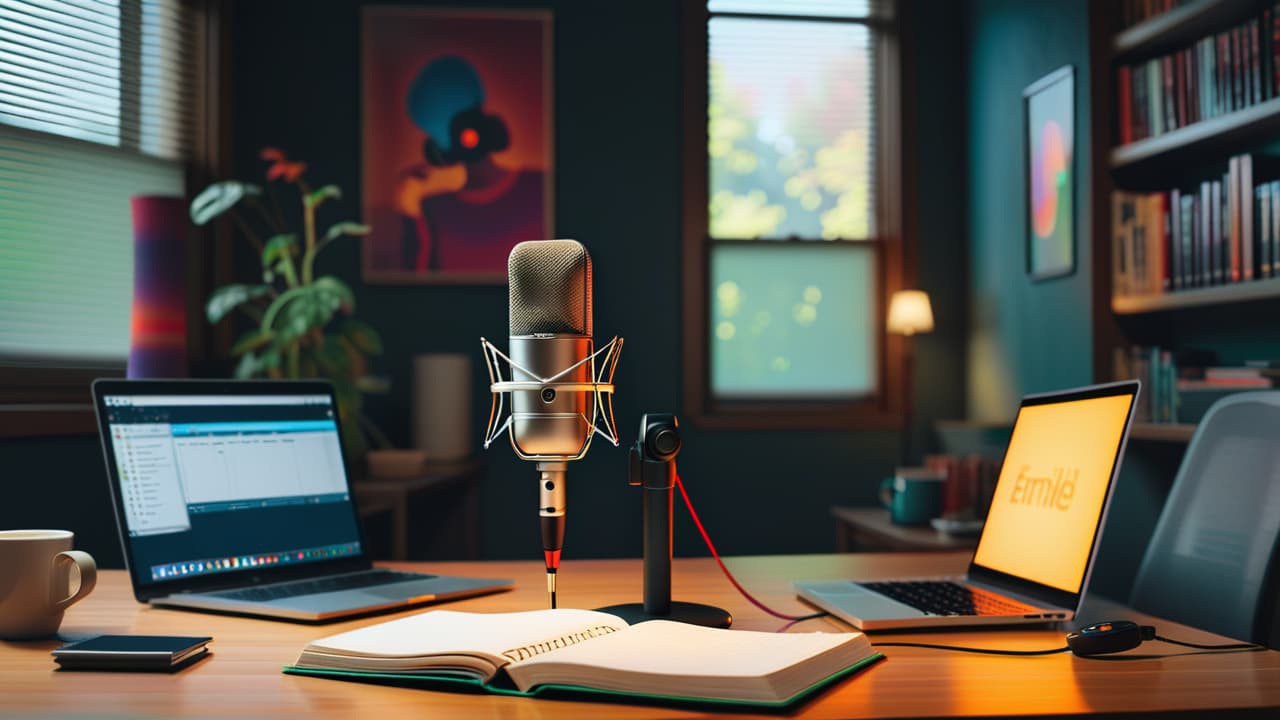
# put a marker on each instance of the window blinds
(114, 72)
(95, 107)
(66, 252)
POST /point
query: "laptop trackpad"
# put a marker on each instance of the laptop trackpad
(860, 602)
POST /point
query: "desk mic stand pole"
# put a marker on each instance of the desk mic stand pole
(656, 478)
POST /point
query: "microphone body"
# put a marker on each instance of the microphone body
(555, 392)
(550, 422)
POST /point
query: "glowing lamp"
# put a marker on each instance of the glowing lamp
(910, 313)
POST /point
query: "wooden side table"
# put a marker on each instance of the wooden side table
(862, 529)
(374, 494)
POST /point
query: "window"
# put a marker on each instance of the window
(790, 230)
(96, 102)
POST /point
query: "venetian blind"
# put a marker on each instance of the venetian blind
(95, 107)
(792, 150)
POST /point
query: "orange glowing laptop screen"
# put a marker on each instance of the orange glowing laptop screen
(1048, 499)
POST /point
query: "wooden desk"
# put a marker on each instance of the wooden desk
(867, 529)
(375, 494)
(243, 677)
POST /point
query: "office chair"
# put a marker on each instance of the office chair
(1211, 562)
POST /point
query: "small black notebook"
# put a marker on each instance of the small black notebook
(154, 653)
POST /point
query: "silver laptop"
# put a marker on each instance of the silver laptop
(1038, 545)
(232, 496)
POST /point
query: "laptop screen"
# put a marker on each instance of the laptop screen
(217, 483)
(1053, 485)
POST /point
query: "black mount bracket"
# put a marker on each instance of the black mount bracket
(653, 469)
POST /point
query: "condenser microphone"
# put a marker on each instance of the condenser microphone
(560, 384)
(549, 294)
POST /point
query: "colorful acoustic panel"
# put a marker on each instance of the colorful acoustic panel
(158, 322)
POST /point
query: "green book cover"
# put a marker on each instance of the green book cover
(429, 681)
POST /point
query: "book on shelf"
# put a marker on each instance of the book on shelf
(1238, 382)
(1224, 230)
(586, 651)
(1241, 375)
(1133, 12)
(1156, 368)
(1220, 73)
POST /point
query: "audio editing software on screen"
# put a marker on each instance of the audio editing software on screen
(211, 484)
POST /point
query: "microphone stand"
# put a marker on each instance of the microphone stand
(551, 519)
(653, 469)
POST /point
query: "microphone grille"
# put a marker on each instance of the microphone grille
(549, 287)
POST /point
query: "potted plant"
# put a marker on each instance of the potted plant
(301, 324)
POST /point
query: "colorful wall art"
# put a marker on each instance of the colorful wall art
(1050, 112)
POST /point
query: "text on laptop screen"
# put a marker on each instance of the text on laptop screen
(1049, 496)
(217, 483)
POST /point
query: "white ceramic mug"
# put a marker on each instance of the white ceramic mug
(35, 581)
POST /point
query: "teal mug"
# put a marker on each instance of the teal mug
(913, 495)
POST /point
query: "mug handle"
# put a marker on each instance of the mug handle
(62, 563)
(886, 492)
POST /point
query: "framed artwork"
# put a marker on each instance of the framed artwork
(1050, 122)
(457, 141)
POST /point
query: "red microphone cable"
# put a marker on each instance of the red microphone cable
(707, 538)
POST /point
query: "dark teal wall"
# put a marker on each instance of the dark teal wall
(619, 189)
(1025, 336)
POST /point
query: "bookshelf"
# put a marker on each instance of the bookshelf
(1183, 24)
(1231, 131)
(1233, 320)
(1162, 432)
(1266, 289)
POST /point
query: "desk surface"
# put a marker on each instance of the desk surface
(243, 676)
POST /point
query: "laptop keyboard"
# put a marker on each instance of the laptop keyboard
(353, 581)
(948, 598)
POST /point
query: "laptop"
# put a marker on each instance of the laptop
(232, 496)
(1040, 539)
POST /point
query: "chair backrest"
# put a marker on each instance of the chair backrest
(1211, 561)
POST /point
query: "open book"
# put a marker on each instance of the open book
(527, 652)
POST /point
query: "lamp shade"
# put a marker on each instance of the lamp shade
(910, 312)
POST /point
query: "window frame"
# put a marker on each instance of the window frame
(884, 409)
(42, 400)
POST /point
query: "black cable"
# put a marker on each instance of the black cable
(960, 648)
(814, 616)
(1170, 655)
(1229, 646)
(801, 618)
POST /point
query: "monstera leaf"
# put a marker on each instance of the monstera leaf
(297, 311)
(277, 248)
(346, 228)
(226, 298)
(219, 198)
(335, 293)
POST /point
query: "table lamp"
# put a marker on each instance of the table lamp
(909, 314)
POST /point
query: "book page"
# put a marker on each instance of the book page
(413, 642)
(674, 659)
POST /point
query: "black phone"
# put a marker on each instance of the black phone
(148, 653)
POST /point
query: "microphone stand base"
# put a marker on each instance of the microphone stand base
(691, 613)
